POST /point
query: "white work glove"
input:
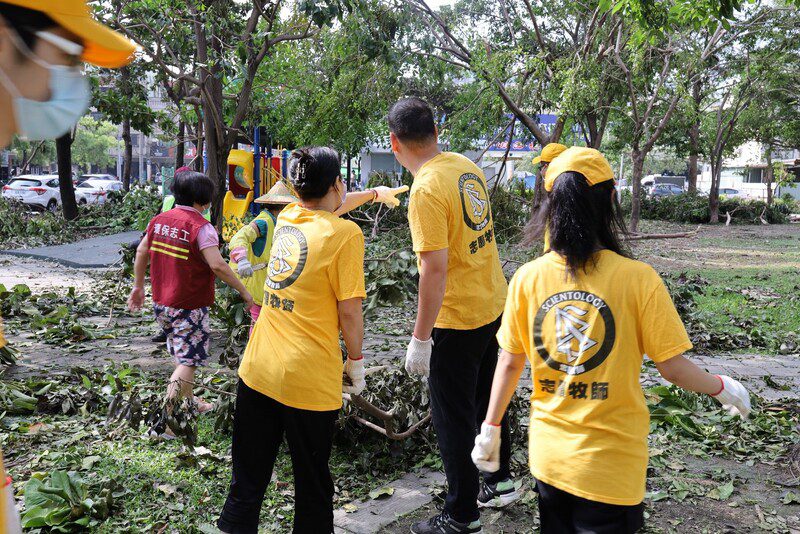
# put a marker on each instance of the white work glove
(244, 268)
(12, 517)
(734, 397)
(354, 374)
(418, 357)
(486, 453)
(388, 195)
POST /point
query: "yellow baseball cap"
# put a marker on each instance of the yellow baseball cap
(549, 153)
(103, 46)
(587, 161)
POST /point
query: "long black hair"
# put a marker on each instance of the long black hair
(313, 170)
(580, 219)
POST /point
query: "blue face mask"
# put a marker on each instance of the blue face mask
(70, 95)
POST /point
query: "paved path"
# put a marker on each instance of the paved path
(95, 252)
(404, 496)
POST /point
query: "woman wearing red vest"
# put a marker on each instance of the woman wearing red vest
(183, 251)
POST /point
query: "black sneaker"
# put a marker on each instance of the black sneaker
(161, 337)
(497, 495)
(444, 524)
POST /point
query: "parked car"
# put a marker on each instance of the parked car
(83, 177)
(665, 190)
(730, 192)
(95, 190)
(38, 192)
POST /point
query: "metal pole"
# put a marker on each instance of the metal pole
(141, 157)
(256, 169)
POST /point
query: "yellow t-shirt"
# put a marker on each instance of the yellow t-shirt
(449, 209)
(585, 339)
(293, 356)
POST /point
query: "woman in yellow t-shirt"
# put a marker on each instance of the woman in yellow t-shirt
(584, 315)
(292, 375)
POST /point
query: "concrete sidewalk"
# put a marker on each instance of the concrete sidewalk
(95, 252)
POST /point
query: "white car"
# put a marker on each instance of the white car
(40, 192)
(729, 192)
(83, 177)
(95, 190)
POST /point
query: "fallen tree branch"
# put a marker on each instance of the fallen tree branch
(762, 218)
(640, 237)
(729, 215)
(386, 417)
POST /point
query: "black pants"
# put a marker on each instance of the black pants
(462, 369)
(563, 513)
(258, 429)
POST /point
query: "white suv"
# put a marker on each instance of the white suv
(40, 192)
(95, 190)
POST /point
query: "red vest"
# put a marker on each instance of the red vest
(181, 278)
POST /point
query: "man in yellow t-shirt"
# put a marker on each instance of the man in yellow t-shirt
(462, 292)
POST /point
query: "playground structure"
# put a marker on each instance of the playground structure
(250, 174)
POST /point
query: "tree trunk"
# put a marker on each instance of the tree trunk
(199, 145)
(127, 158)
(67, 190)
(692, 178)
(769, 175)
(217, 149)
(180, 148)
(637, 159)
(349, 173)
(694, 136)
(538, 190)
(713, 194)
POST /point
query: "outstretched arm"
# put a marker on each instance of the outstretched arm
(685, 374)
(385, 195)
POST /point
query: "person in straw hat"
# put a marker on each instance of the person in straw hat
(43, 94)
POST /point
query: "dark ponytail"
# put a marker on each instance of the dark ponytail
(580, 218)
(313, 170)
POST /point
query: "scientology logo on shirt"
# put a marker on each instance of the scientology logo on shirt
(573, 326)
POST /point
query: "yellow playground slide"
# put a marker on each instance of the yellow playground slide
(233, 212)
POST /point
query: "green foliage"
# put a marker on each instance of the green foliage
(510, 212)
(21, 228)
(693, 208)
(61, 503)
(711, 430)
(93, 143)
(234, 320)
(725, 331)
(391, 273)
(43, 152)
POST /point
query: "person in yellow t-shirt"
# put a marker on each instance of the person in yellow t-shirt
(250, 246)
(584, 315)
(462, 291)
(291, 375)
